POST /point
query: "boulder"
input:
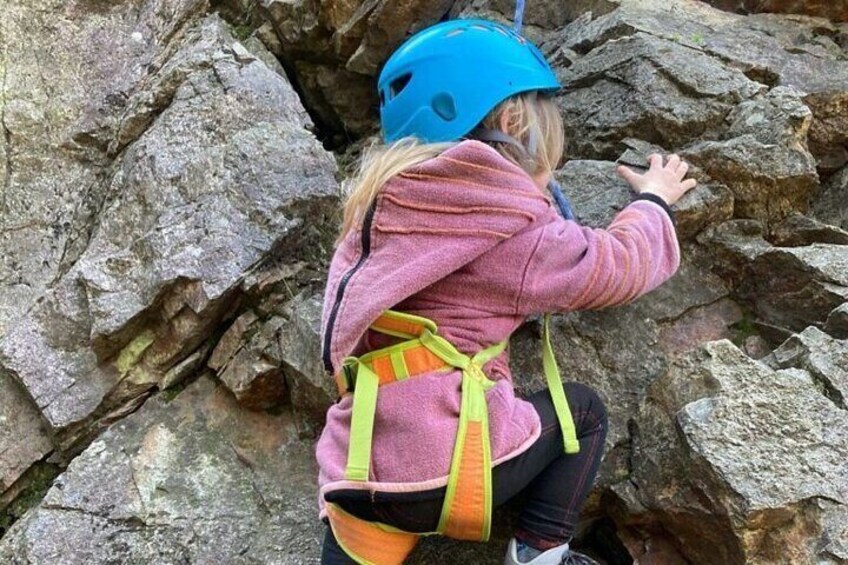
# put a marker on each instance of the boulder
(247, 360)
(736, 463)
(197, 479)
(831, 205)
(789, 287)
(822, 356)
(837, 11)
(336, 49)
(217, 173)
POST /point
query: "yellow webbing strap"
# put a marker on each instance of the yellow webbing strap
(367, 382)
(467, 510)
(549, 364)
(361, 421)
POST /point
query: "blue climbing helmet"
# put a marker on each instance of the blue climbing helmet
(446, 78)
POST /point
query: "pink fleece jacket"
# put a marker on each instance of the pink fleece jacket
(468, 240)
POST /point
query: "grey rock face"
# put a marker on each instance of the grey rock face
(338, 48)
(61, 106)
(649, 88)
(202, 196)
(774, 51)
(792, 287)
(198, 480)
(727, 462)
(312, 391)
(763, 156)
(837, 11)
(23, 439)
(831, 205)
(798, 230)
(165, 209)
(825, 358)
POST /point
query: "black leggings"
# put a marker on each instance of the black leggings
(556, 483)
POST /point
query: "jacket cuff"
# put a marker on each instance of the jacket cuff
(657, 200)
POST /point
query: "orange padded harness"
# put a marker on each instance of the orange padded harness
(467, 508)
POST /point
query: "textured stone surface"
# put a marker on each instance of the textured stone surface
(199, 196)
(736, 471)
(62, 103)
(832, 9)
(164, 208)
(23, 439)
(824, 357)
(337, 49)
(763, 156)
(650, 88)
(312, 391)
(247, 360)
(831, 205)
(774, 51)
(799, 230)
(196, 480)
(792, 287)
(837, 322)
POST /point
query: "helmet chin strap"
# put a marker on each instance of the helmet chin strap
(487, 134)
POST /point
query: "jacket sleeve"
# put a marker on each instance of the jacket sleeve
(573, 267)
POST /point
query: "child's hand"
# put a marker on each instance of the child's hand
(664, 181)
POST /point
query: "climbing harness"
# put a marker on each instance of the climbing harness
(467, 508)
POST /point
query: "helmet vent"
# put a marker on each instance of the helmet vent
(444, 105)
(397, 85)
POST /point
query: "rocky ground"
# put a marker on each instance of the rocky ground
(170, 193)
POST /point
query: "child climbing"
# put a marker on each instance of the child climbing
(450, 240)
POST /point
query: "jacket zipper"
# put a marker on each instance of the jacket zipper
(366, 249)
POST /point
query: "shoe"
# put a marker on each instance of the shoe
(560, 555)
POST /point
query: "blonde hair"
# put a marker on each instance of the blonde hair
(530, 115)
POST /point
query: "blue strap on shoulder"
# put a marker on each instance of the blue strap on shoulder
(561, 200)
(485, 134)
